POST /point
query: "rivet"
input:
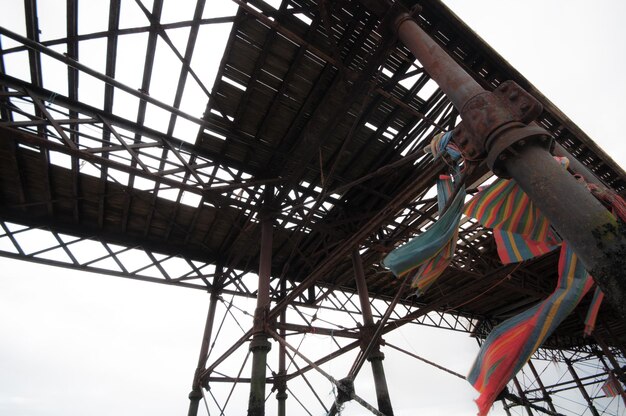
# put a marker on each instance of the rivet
(514, 95)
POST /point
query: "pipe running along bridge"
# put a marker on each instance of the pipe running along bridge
(282, 186)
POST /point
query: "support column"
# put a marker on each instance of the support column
(499, 126)
(259, 346)
(281, 382)
(544, 392)
(376, 356)
(196, 386)
(582, 389)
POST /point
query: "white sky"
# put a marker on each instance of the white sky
(75, 344)
(570, 50)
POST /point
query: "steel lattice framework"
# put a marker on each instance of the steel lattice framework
(307, 166)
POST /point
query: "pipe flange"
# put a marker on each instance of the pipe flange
(260, 344)
(376, 355)
(506, 141)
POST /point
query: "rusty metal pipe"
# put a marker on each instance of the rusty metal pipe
(196, 394)
(458, 85)
(376, 356)
(260, 346)
(281, 387)
(361, 288)
(579, 218)
(519, 150)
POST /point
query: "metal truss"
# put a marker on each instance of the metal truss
(97, 255)
(93, 164)
(573, 385)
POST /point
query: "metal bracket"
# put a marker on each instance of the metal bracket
(495, 122)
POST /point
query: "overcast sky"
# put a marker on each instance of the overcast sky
(76, 344)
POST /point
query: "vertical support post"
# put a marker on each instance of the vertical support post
(546, 395)
(281, 383)
(582, 389)
(196, 387)
(259, 346)
(376, 356)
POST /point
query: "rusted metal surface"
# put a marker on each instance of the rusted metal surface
(376, 356)
(453, 80)
(492, 121)
(195, 395)
(260, 346)
(583, 221)
(340, 384)
(312, 99)
(519, 150)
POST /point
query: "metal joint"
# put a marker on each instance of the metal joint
(195, 394)
(260, 344)
(345, 390)
(376, 355)
(508, 140)
(280, 384)
(260, 319)
(367, 333)
(498, 123)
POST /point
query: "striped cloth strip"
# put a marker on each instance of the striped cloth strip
(511, 344)
(428, 254)
(505, 206)
(432, 268)
(592, 313)
(513, 248)
(610, 388)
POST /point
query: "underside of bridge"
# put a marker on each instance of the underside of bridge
(282, 183)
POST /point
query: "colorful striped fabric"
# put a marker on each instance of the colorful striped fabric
(431, 251)
(513, 248)
(592, 313)
(610, 388)
(429, 254)
(505, 206)
(510, 345)
(432, 268)
(441, 145)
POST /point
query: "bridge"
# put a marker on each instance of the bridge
(277, 175)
